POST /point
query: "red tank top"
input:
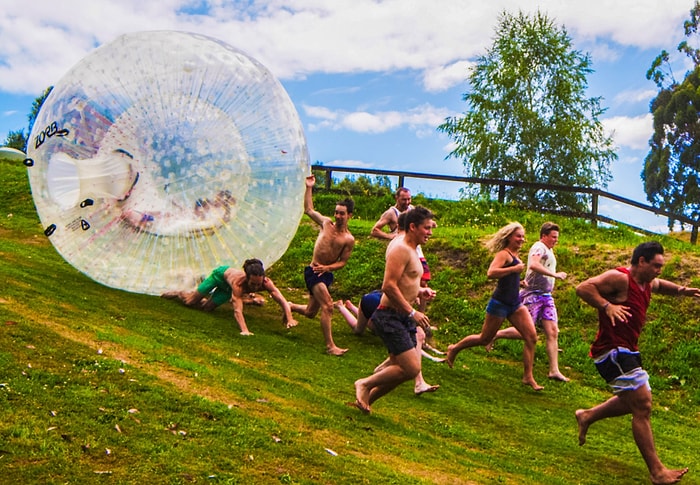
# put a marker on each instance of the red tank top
(623, 334)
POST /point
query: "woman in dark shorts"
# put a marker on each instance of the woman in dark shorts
(505, 301)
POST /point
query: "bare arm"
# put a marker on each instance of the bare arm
(385, 220)
(309, 210)
(277, 295)
(237, 303)
(602, 292)
(496, 268)
(665, 287)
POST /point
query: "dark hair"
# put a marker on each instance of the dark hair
(399, 191)
(548, 227)
(646, 250)
(401, 221)
(253, 267)
(348, 203)
(416, 216)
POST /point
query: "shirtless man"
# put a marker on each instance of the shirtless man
(391, 216)
(230, 284)
(332, 250)
(395, 319)
(622, 296)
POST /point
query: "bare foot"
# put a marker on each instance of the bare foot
(532, 383)
(582, 426)
(668, 476)
(170, 295)
(292, 323)
(338, 303)
(361, 396)
(558, 376)
(337, 351)
(451, 354)
(489, 346)
(247, 333)
(418, 390)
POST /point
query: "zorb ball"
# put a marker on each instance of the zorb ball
(163, 155)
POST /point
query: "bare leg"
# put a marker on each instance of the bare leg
(522, 321)
(350, 319)
(488, 331)
(403, 367)
(639, 402)
(510, 333)
(352, 307)
(420, 385)
(551, 332)
(322, 296)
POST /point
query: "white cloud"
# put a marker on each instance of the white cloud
(630, 132)
(441, 78)
(295, 38)
(9, 113)
(420, 119)
(635, 96)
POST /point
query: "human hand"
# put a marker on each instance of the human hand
(310, 180)
(617, 312)
(426, 294)
(560, 275)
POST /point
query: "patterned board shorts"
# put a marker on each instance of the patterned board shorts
(622, 370)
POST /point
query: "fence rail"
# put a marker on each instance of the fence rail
(595, 194)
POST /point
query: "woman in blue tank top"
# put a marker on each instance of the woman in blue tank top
(505, 301)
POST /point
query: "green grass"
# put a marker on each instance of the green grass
(177, 396)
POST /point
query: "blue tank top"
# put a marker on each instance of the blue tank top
(508, 288)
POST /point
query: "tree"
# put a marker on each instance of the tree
(672, 167)
(528, 118)
(17, 139)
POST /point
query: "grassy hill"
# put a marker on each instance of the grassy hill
(98, 385)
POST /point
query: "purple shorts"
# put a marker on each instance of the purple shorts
(541, 307)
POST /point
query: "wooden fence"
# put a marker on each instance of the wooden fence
(594, 216)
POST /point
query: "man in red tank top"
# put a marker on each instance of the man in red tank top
(622, 297)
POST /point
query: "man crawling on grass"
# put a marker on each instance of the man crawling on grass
(229, 284)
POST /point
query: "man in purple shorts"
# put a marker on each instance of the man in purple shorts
(537, 295)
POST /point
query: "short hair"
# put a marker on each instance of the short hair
(499, 240)
(253, 267)
(401, 221)
(646, 250)
(416, 216)
(548, 227)
(400, 190)
(348, 203)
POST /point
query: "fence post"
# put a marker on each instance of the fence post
(594, 209)
(501, 193)
(329, 179)
(401, 180)
(694, 234)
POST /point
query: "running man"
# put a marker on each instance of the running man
(622, 296)
(332, 250)
(395, 319)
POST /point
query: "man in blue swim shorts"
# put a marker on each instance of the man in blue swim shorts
(395, 319)
(332, 250)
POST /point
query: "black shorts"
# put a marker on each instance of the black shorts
(398, 332)
(617, 363)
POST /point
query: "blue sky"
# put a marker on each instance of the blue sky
(371, 79)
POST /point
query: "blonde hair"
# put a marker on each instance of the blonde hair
(499, 240)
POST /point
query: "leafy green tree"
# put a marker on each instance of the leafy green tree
(17, 139)
(672, 167)
(528, 118)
